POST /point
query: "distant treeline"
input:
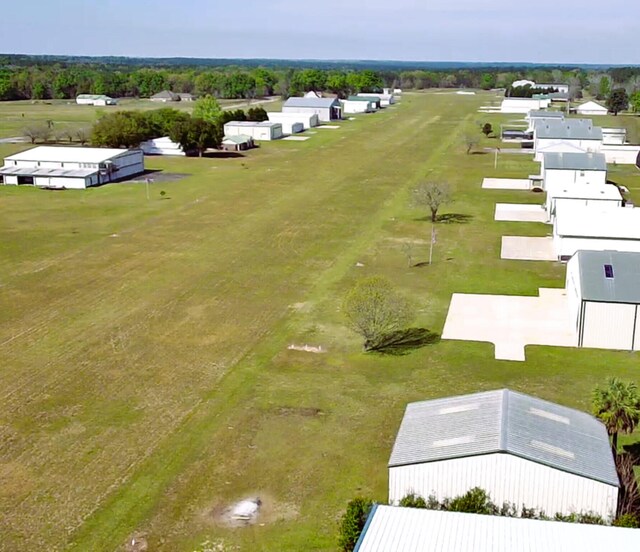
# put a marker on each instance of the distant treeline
(38, 78)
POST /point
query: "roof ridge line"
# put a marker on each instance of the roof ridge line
(504, 420)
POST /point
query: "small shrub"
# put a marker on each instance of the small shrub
(474, 501)
(353, 522)
(627, 520)
(413, 500)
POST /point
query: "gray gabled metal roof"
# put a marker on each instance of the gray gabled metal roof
(568, 129)
(624, 287)
(575, 161)
(537, 114)
(312, 102)
(505, 421)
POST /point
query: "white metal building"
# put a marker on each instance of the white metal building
(523, 105)
(327, 109)
(308, 120)
(595, 229)
(561, 88)
(591, 108)
(162, 146)
(604, 299)
(393, 529)
(520, 449)
(64, 167)
(264, 130)
(614, 136)
(534, 116)
(625, 154)
(596, 196)
(95, 99)
(560, 170)
(361, 105)
(579, 133)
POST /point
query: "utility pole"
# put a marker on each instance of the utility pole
(433, 240)
(495, 161)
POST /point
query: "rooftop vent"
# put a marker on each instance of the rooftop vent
(546, 447)
(549, 416)
(608, 271)
(455, 441)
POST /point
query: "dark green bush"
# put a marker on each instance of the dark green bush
(353, 522)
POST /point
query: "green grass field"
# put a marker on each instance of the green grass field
(147, 382)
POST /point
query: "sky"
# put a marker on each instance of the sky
(542, 31)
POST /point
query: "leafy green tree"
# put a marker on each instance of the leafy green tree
(487, 129)
(232, 115)
(207, 109)
(474, 501)
(353, 522)
(375, 310)
(257, 114)
(432, 195)
(122, 129)
(163, 120)
(618, 101)
(634, 100)
(196, 135)
(413, 500)
(488, 81)
(337, 83)
(265, 81)
(604, 88)
(627, 520)
(617, 405)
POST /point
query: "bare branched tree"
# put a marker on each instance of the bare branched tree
(432, 195)
(82, 134)
(37, 132)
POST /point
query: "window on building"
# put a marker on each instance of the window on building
(608, 271)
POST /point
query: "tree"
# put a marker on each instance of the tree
(196, 135)
(375, 310)
(413, 500)
(487, 129)
(207, 109)
(432, 195)
(634, 100)
(37, 132)
(617, 405)
(257, 114)
(618, 100)
(488, 81)
(474, 501)
(353, 522)
(471, 141)
(83, 135)
(122, 129)
(163, 120)
(604, 88)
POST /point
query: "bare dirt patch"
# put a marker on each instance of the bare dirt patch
(307, 412)
(257, 509)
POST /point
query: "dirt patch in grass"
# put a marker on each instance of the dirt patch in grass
(306, 412)
(239, 513)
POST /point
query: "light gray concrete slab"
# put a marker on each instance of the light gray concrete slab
(296, 138)
(331, 127)
(522, 248)
(506, 184)
(518, 212)
(511, 322)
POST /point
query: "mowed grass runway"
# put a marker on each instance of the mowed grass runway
(146, 380)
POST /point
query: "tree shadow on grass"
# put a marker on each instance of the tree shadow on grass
(454, 218)
(402, 342)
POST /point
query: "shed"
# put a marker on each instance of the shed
(523, 105)
(564, 169)
(561, 88)
(71, 167)
(603, 288)
(394, 529)
(240, 142)
(263, 130)
(95, 99)
(354, 104)
(327, 109)
(577, 228)
(591, 108)
(614, 136)
(385, 99)
(308, 120)
(519, 448)
(162, 146)
(165, 96)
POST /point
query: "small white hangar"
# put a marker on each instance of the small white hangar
(327, 109)
(573, 133)
(518, 448)
(308, 120)
(595, 229)
(76, 168)
(573, 169)
(95, 99)
(162, 146)
(264, 130)
(603, 289)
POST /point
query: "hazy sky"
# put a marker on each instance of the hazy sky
(582, 31)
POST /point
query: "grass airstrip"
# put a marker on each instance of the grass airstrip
(147, 380)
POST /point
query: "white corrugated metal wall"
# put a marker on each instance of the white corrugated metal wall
(567, 247)
(506, 478)
(608, 325)
(574, 293)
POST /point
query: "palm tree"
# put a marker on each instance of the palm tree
(617, 405)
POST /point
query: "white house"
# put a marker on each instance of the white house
(357, 105)
(327, 109)
(162, 146)
(394, 529)
(591, 108)
(518, 448)
(385, 99)
(595, 229)
(65, 167)
(265, 130)
(308, 120)
(604, 299)
(565, 169)
(576, 133)
(614, 136)
(523, 105)
(95, 99)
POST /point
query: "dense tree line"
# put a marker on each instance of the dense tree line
(54, 78)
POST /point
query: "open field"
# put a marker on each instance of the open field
(16, 116)
(146, 377)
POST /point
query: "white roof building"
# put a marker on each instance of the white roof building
(71, 167)
(308, 120)
(162, 146)
(95, 99)
(576, 133)
(327, 109)
(264, 130)
(523, 105)
(588, 228)
(393, 529)
(520, 449)
(591, 108)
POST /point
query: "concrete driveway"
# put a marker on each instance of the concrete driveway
(506, 184)
(518, 212)
(522, 248)
(511, 322)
